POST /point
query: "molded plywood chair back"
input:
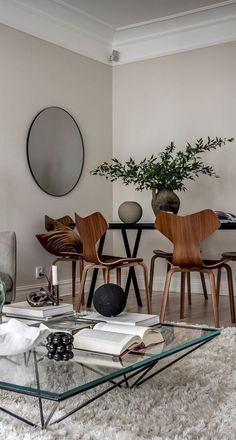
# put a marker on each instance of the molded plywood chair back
(91, 229)
(186, 234)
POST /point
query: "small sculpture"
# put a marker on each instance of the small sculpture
(41, 298)
(109, 299)
(59, 346)
(44, 297)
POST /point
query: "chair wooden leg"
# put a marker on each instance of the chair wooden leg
(118, 276)
(152, 264)
(106, 275)
(214, 296)
(145, 275)
(189, 288)
(203, 285)
(166, 294)
(182, 295)
(73, 277)
(218, 280)
(81, 268)
(82, 284)
(231, 292)
(168, 267)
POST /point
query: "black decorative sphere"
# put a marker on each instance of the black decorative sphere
(57, 357)
(60, 349)
(109, 299)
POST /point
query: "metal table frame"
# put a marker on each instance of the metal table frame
(131, 376)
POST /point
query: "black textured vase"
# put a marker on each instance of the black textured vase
(166, 200)
(109, 299)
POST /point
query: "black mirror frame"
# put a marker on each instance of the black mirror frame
(27, 151)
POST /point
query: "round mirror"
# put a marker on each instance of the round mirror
(55, 151)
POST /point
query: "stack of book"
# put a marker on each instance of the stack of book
(24, 310)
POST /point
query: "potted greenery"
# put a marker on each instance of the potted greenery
(164, 173)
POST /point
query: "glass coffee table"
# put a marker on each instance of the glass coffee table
(33, 374)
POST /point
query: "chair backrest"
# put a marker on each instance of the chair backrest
(91, 229)
(8, 260)
(186, 233)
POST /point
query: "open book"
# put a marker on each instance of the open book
(116, 339)
(103, 361)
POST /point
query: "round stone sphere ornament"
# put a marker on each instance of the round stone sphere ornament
(109, 299)
(130, 212)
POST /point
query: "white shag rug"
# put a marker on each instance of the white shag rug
(195, 399)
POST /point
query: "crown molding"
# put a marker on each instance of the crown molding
(71, 28)
(193, 30)
(66, 27)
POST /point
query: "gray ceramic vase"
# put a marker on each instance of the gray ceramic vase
(130, 212)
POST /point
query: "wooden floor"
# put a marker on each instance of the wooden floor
(200, 312)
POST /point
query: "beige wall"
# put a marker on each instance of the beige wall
(36, 74)
(179, 98)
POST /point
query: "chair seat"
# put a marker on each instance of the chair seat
(163, 254)
(70, 255)
(230, 255)
(214, 264)
(113, 260)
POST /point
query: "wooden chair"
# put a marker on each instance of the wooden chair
(229, 256)
(91, 229)
(168, 256)
(186, 233)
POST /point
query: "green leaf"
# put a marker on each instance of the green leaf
(169, 169)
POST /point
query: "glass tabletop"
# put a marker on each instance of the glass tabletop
(33, 373)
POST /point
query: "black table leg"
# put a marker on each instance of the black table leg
(95, 273)
(131, 274)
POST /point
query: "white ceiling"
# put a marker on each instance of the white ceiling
(119, 13)
(137, 29)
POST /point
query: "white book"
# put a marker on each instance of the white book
(98, 360)
(125, 318)
(115, 339)
(107, 361)
(23, 309)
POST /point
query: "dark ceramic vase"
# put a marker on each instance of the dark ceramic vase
(165, 200)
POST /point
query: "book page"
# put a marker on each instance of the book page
(121, 328)
(98, 359)
(104, 342)
(147, 334)
(133, 319)
(124, 318)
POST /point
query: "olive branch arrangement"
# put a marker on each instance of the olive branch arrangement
(168, 170)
